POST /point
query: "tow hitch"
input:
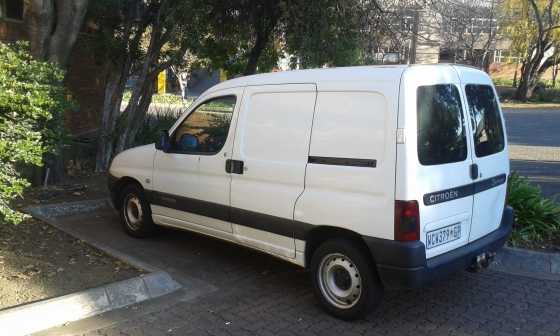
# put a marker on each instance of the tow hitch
(482, 261)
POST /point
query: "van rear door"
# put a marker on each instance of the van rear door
(434, 162)
(489, 157)
(444, 168)
(434, 156)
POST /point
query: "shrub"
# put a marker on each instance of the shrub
(537, 218)
(159, 119)
(32, 100)
(547, 95)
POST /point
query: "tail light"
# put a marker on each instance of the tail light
(407, 221)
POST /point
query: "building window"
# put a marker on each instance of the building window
(11, 9)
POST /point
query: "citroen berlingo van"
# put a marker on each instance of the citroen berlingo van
(373, 178)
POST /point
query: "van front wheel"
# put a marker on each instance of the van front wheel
(344, 280)
(136, 216)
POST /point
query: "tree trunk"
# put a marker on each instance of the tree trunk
(111, 111)
(135, 113)
(528, 82)
(53, 27)
(183, 79)
(486, 62)
(263, 36)
(39, 19)
(254, 55)
(554, 73)
(69, 19)
(531, 72)
(514, 84)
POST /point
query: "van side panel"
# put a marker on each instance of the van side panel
(272, 140)
(350, 176)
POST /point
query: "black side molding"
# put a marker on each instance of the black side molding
(464, 190)
(336, 161)
(260, 221)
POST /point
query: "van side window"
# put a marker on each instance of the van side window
(205, 130)
(441, 131)
(485, 116)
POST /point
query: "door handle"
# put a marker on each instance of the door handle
(474, 171)
(234, 166)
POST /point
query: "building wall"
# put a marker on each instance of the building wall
(86, 80)
(428, 38)
(11, 30)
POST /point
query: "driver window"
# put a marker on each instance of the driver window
(205, 130)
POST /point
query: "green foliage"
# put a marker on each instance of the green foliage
(502, 82)
(315, 32)
(155, 123)
(537, 218)
(522, 26)
(547, 96)
(324, 32)
(32, 100)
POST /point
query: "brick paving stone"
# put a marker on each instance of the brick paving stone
(455, 312)
(258, 295)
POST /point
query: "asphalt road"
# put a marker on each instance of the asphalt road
(533, 127)
(231, 290)
(540, 129)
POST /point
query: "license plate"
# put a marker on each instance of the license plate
(443, 236)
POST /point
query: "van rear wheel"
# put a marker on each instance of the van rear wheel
(344, 280)
(136, 216)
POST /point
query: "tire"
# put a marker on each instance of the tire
(135, 213)
(344, 280)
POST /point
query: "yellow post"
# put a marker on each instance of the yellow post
(223, 75)
(161, 79)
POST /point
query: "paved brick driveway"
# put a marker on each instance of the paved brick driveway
(248, 293)
(281, 304)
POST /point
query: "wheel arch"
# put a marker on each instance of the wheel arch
(118, 185)
(320, 234)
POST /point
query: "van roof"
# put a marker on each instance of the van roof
(354, 73)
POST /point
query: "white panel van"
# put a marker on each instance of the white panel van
(378, 177)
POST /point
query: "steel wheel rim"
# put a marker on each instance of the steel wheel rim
(133, 212)
(340, 281)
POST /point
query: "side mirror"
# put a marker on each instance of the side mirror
(164, 144)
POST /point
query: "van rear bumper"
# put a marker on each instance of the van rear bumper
(404, 265)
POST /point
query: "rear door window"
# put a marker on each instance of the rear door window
(441, 131)
(485, 116)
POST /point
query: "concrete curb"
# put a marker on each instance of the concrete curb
(41, 315)
(67, 208)
(532, 264)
